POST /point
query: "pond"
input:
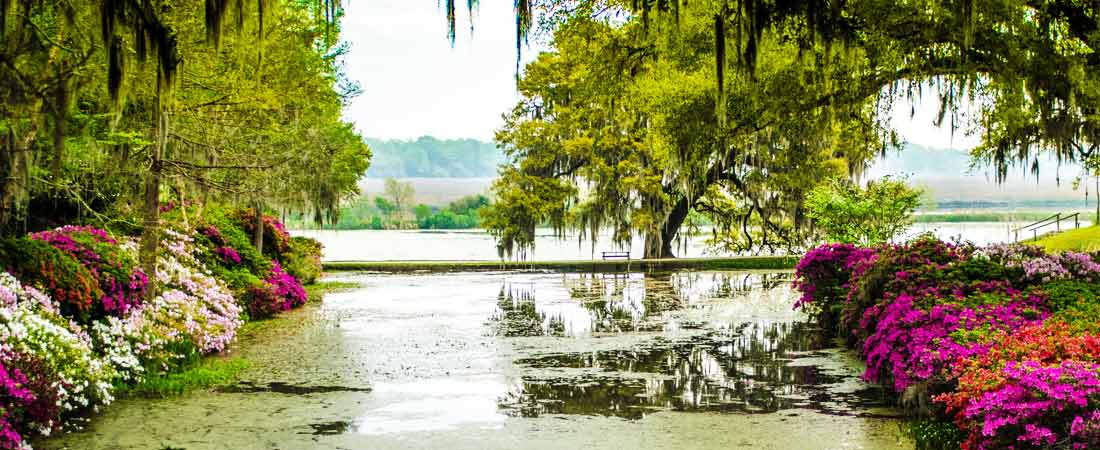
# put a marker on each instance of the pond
(692, 359)
(477, 245)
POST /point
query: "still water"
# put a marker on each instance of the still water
(477, 245)
(692, 359)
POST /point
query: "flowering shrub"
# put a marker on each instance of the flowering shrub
(279, 292)
(910, 344)
(194, 304)
(122, 283)
(18, 404)
(57, 273)
(1038, 385)
(286, 286)
(64, 348)
(276, 237)
(49, 368)
(226, 249)
(1006, 337)
(228, 255)
(303, 261)
(823, 273)
(84, 380)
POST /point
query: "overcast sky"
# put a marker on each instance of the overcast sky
(414, 83)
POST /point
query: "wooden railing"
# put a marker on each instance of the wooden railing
(1055, 220)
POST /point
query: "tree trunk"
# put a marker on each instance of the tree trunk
(150, 233)
(15, 184)
(258, 223)
(659, 245)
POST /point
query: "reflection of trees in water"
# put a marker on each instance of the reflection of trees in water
(749, 371)
(622, 302)
(696, 285)
(517, 314)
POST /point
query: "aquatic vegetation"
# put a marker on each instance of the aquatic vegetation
(1001, 341)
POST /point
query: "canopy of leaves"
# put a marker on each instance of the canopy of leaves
(254, 115)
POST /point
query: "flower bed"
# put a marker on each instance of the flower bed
(75, 326)
(1001, 341)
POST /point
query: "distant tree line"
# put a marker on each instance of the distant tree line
(394, 210)
(428, 157)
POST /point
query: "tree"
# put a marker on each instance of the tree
(252, 107)
(385, 206)
(422, 213)
(636, 126)
(401, 195)
(875, 214)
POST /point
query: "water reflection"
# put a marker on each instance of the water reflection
(748, 353)
(616, 303)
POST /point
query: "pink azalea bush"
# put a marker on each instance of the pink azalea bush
(1001, 337)
(279, 292)
(123, 284)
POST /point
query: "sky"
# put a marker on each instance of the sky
(415, 83)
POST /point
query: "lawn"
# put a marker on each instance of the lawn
(1081, 240)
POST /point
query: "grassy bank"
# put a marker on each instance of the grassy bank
(1080, 240)
(991, 216)
(224, 369)
(735, 263)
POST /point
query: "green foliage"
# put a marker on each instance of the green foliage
(633, 117)
(846, 213)
(1065, 294)
(460, 214)
(384, 205)
(1081, 317)
(253, 264)
(432, 157)
(935, 434)
(381, 214)
(303, 261)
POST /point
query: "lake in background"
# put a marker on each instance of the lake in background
(477, 245)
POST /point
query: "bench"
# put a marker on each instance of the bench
(612, 255)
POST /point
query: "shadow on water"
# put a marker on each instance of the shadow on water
(287, 389)
(754, 365)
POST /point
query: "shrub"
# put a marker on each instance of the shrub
(1037, 385)
(276, 238)
(279, 292)
(847, 213)
(1062, 294)
(303, 261)
(193, 304)
(1003, 338)
(57, 273)
(223, 245)
(912, 343)
(122, 283)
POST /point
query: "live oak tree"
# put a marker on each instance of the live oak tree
(1029, 65)
(623, 131)
(112, 106)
